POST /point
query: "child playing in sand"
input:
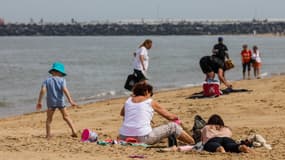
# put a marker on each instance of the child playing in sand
(55, 86)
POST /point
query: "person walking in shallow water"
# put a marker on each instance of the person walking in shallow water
(141, 60)
(55, 87)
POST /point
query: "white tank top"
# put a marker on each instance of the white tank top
(137, 118)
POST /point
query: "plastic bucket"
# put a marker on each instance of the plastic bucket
(88, 135)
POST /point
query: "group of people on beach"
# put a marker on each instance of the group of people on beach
(216, 63)
(249, 59)
(139, 108)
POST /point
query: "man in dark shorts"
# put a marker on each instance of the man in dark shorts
(211, 65)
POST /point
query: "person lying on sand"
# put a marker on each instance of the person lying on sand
(216, 137)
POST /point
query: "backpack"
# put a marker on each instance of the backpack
(199, 123)
(130, 82)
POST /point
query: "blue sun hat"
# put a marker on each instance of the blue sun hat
(58, 66)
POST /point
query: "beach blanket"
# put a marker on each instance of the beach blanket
(120, 142)
(226, 91)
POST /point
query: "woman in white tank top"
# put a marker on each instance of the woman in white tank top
(138, 112)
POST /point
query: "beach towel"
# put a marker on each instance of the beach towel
(120, 142)
(200, 95)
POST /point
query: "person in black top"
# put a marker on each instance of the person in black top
(220, 50)
(211, 65)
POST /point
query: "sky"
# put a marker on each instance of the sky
(115, 10)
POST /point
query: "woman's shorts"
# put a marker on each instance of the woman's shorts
(256, 65)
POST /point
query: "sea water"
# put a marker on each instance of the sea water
(97, 66)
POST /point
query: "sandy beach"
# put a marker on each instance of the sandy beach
(262, 110)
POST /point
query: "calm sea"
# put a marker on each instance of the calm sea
(97, 67)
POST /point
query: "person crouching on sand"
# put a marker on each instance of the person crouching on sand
(211, 65)
(138, 112)
(55, 87)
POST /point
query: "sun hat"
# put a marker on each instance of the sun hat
(58, 66)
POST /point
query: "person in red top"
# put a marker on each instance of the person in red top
(245, 58)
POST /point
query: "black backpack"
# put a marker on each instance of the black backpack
(199, 123)
(130, 82)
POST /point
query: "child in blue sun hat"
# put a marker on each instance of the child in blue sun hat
(55, 87)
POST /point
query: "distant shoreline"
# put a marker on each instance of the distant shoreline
(145, 29)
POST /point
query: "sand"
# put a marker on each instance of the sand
(263, 110)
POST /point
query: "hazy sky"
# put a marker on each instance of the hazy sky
(89, 10)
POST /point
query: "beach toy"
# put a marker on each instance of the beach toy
(88, 135)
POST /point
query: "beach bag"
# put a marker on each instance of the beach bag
(211, 88)
(229, 64)
(199, 123)
(130, 82)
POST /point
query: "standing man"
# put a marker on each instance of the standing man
(220, 50)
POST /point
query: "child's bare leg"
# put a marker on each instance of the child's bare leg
(67, 119)
(258, 73)
(50, 113)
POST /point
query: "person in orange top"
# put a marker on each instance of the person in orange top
(245, 58)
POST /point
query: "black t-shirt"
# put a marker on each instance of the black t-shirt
(222, 49)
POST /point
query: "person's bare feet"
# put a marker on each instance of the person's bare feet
(48, 137)
(74, 135)
(245, 149)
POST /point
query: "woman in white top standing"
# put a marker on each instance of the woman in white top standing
(256, 61)
(141, 60)
(138, 112)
